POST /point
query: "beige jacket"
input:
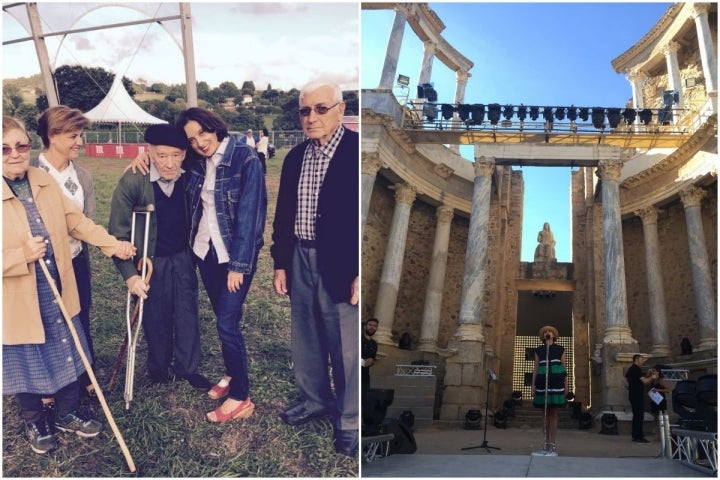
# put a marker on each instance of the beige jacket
(21, 311)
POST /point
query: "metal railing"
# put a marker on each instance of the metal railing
(280, 139)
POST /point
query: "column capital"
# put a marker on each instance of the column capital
(371, 163)
(462, 76)
(444, 213)
(699, 9)
(670, 47)
(609, 170)
(692, 196)
(405, 193)
(648, 215)
(484, 166)
(429, 46)
(636, 75)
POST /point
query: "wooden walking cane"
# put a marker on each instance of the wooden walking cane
(88, 368)
(133, 319)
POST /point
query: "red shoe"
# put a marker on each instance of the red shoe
(217, 392)
(243, 410)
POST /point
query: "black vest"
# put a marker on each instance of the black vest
(172, 226)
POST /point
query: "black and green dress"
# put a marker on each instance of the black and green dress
(556, 380)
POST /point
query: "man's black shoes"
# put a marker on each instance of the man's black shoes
(198, 381)
(299, 415)
(346, 442)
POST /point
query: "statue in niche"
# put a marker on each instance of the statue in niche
(545, 251)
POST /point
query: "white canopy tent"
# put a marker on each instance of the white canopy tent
(118, 107)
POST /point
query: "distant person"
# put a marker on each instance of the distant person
(262, 148)
(636, 383)
(369, 351)
(549, 383)
(316, 254)
(61, 130)
(659, 385)
(170, 319)
(40, 358)
(249, 139)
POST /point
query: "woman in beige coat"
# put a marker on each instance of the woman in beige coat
(39, 356)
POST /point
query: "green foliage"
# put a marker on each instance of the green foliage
(29, 114)
(85, 87)
(165, 427)
(248, 88)
(289, 119)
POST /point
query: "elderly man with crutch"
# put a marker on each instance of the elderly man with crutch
(161, 233)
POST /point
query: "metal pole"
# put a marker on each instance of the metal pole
(188, 55)
(42, 54)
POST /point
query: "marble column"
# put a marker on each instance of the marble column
(470, 326)
(705, 44)
(617, 329)
(636, 79)
(656, 294)
(371, 164)
(427, 62)
(392, 55)
(674, 83)
(461, 79)
(434, 294)
(702, 279)
(392, 265)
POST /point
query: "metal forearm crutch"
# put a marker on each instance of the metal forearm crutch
(133, 319)
(547, 378)
(88, 368)
(133, 339)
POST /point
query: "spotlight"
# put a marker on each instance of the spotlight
(478, 113)
(494, 113)
(613, 115)
(430, 111)
(608, 424)
(464, 112)
(560, 113)
(598, 118)
(583, 113)
(646, 116)
(629, 115)
(447, 111)
(403, 80)
(472, 420)
(426, 90)
(534, 113)
(572, 114)
(670, 98)
(547, 114)
(665, 116)
(522, 112)
(500, 420)
(508, 112)
(585, 421)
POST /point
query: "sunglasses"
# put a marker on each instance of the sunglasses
(19, 148)
(319, 109)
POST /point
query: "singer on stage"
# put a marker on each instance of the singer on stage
(549, 384)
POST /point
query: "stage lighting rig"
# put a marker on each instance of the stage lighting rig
(629, 115)
(572, 113)
(447, 111)
(534, 113)
(598, 118)
(508, 112)
(427, 91)
(560, 113)
(494, 113)
(478, 113)
(584, 113)
(613, 116)
(646, 116)
(522, 112)
(463, 112)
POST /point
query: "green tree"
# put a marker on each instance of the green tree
(271, 95)
(29, 115)
(229, 90)
(248, 88)
(11, 99)
(289, 119)
(85, 87)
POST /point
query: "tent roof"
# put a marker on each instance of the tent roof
(119, 107)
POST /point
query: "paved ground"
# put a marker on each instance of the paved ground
(581, 453)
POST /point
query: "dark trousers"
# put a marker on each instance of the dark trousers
(228, 308)
(261, 156)
(67, 400)
(323, 329)
(81, 266)
(170, 317)
(638, 411)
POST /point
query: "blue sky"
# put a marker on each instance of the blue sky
(530, 53)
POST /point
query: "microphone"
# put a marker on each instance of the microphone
(547, 336)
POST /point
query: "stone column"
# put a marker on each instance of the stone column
(371, 163)
(701, 276)
(656, 294)
(427, 62)
(636, 79)
(436, 283)
(471, 303)
(705, 44)
(674, 83)
(392, 266)
(392, 55)
(616, 319)
(461, 79)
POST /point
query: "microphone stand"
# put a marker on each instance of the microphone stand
(485, 442)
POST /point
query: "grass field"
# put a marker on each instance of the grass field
(165, 428)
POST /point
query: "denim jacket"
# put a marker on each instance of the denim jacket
(240, 201)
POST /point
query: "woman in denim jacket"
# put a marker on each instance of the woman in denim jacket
(228, 204)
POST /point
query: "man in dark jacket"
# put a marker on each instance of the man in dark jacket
(316, 254)
(636, 382)
(170, 319)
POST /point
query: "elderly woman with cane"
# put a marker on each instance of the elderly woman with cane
(40, 358)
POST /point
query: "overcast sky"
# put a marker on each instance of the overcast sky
(555, 54)
(283, 44)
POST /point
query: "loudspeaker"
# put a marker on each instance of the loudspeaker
(585, 421)
(500, 420)
(404, 441)
(608, 424)
(376, 404)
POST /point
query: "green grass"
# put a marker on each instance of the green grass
(165, 428)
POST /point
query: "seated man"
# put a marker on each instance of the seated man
(170, 317)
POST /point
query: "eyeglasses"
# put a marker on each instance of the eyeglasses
(19, 148)
(319, 109)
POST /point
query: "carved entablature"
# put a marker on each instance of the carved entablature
(443, 170)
